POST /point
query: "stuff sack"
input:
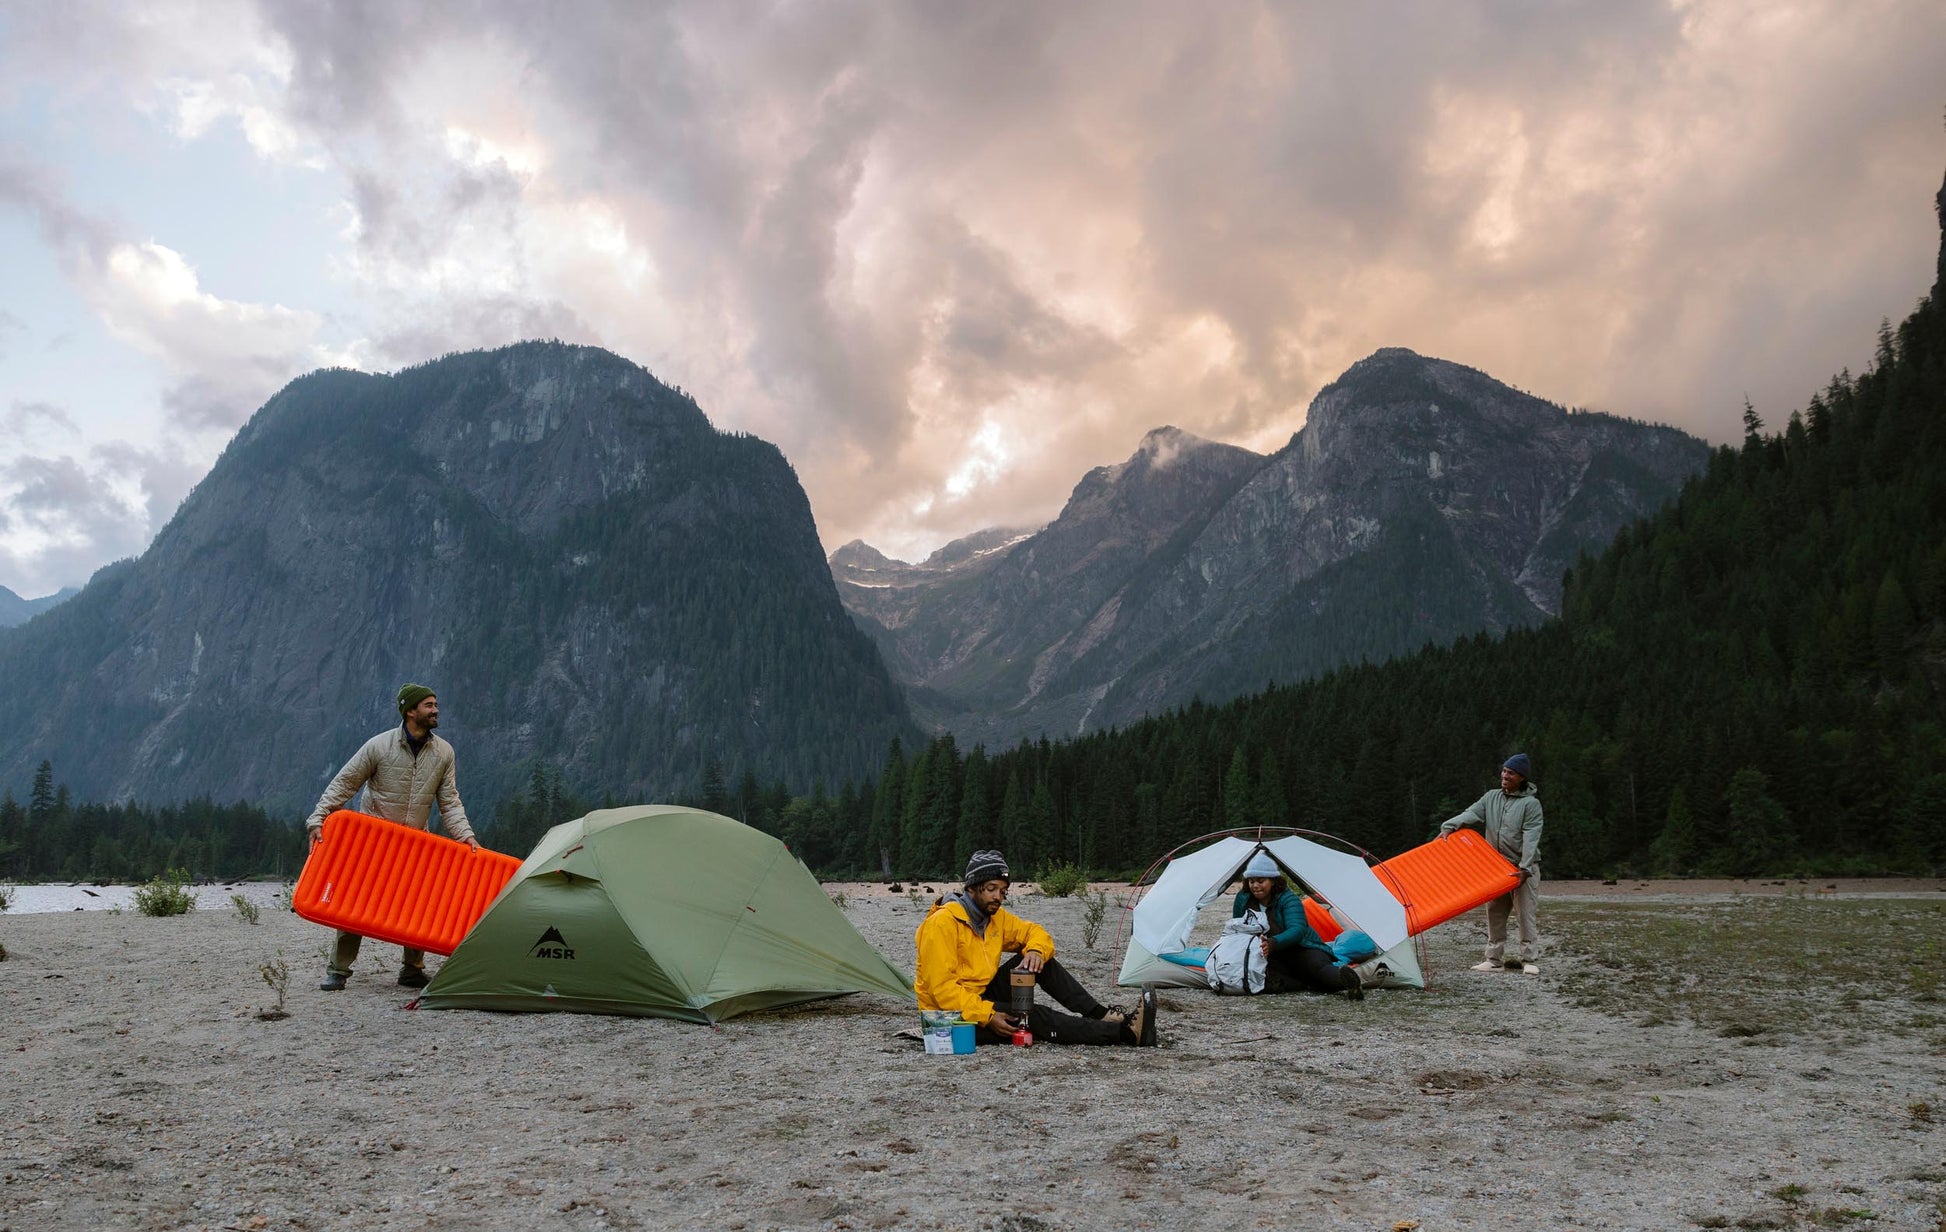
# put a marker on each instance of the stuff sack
(1236, 963)
(1352, 946)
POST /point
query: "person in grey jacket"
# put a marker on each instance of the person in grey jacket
(1510, 818)
(403, 771)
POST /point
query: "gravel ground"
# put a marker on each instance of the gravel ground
(140, 1088)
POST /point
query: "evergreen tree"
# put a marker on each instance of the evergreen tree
(1013, 818)
(1267, 797)
(713, 798)
(1675, 847)
(1238, 812)
(976, 829)
(888, 813)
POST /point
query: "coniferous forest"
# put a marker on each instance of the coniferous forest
(1748, 682)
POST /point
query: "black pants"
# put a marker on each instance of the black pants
(1300, 966)
(1049, 1025)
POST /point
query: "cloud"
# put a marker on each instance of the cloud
(228, 355)
(19, 420)
(951, 257)
(62, 516)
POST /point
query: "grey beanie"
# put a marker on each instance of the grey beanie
(986, 866)
(1261, 865)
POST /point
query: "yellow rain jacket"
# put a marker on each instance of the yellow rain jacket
(956, 964)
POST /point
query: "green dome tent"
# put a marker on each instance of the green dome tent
(664, 911)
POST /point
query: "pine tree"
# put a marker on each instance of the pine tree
(1675, 847)
(975, 832)
(1013, 817)
(1891, 628)
(888, 812)
(1238, 811)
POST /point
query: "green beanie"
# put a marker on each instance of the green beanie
(411, 695)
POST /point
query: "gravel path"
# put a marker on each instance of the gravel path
(139, 1088)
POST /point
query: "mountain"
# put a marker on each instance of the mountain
(1422, 501)
(594, 579)
(15, 610)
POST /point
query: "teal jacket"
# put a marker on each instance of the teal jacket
(1288, 927)
(1511, 823)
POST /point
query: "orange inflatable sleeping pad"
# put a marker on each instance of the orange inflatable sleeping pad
(388, 881)
(1434, 882)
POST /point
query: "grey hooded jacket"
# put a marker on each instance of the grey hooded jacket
(399, 786)
(1511, 823)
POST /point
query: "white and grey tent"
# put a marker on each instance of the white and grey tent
(1161, 923)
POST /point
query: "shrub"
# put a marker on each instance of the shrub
(839, 900)
(1096, 910)
(166, 894)
(1061, 880)
(6, 897)
(277, 974)
(245, 909)
(3, 953)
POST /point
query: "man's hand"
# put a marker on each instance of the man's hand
(472, 844)
(317, 836)
(1001, 1025)
(1031, 962)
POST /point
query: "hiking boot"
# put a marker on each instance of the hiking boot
(1139, 1028)
(413, 977)
(1354, 987)
(334, 981)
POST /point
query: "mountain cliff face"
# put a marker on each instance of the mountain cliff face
(588, 573)
(1422, 501)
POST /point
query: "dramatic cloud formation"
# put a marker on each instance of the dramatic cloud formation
(949, 257)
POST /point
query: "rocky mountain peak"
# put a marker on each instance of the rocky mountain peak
(1422, 500)
(557, 541)
(859, 555)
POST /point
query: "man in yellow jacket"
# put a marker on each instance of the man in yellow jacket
(960, 968)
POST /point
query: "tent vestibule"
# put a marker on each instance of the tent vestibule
(1162, 921)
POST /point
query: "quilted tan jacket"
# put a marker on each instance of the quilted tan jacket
(398, 786)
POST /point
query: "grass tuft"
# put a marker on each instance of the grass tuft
(245, 909)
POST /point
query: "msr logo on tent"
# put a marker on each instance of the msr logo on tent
(551, 945)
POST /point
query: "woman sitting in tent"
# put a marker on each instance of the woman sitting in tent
(1297, 956)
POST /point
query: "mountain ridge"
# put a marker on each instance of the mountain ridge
(1422, 500)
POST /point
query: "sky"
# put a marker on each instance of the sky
(947, 256)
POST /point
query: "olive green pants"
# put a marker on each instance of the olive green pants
(345, 953)
(1524, 899)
